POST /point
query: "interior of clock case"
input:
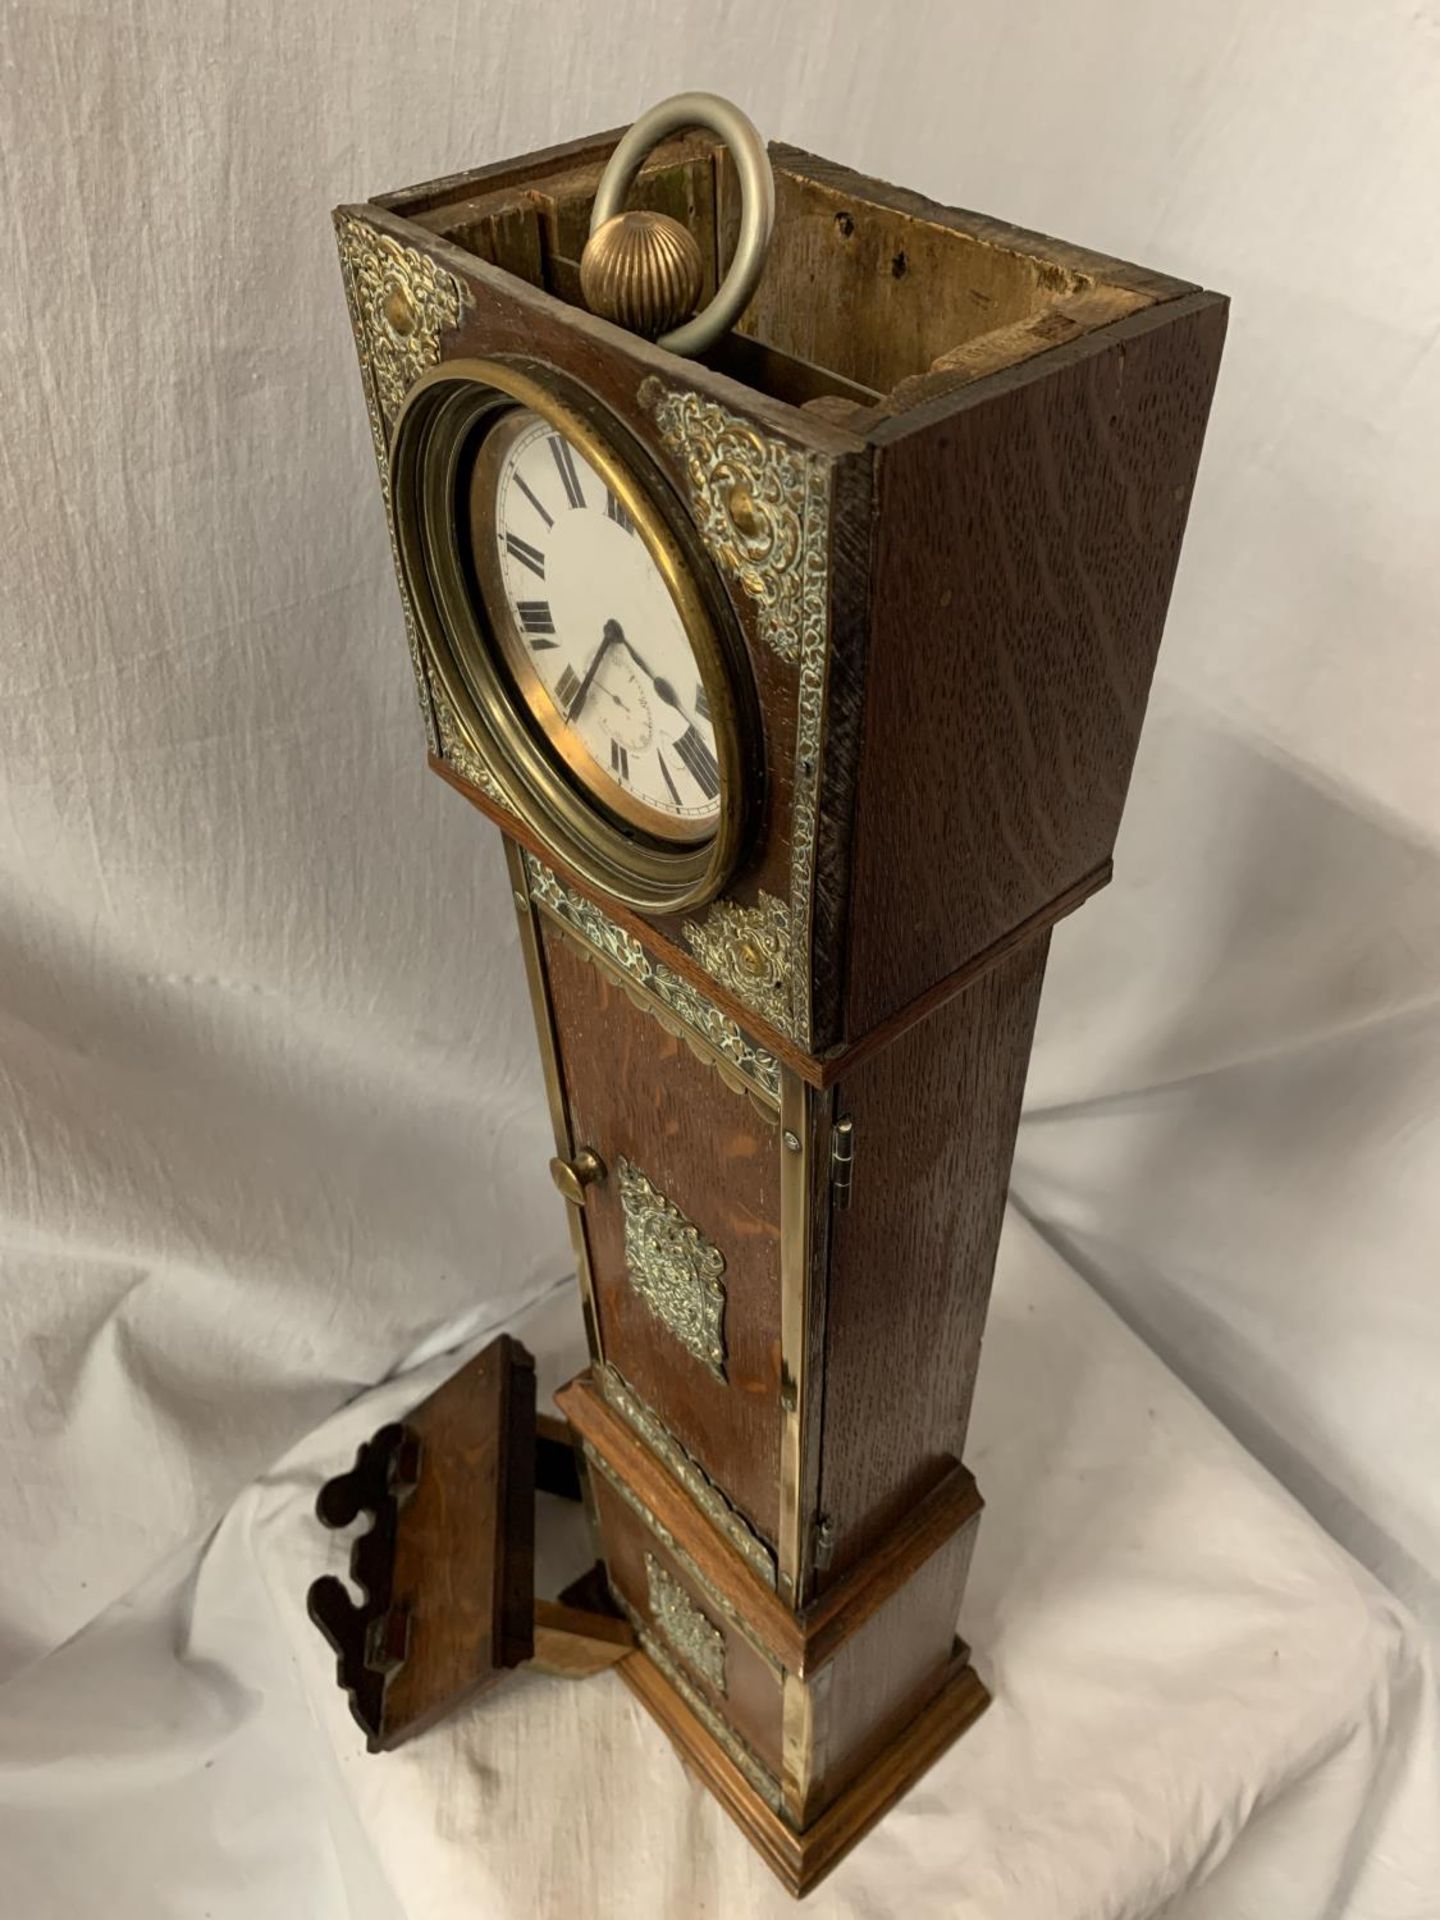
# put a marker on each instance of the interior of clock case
(872, 300)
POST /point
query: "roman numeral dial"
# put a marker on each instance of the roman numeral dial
(593, 644)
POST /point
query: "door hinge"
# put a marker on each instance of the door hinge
(842, 1160)
(822, 1546)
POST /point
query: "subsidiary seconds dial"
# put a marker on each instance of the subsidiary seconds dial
(588, 628)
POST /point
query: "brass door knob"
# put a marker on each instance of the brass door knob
(572, 1177)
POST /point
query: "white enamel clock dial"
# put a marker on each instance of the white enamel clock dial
(591, 634)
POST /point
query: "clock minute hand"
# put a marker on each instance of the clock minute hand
(613, 632)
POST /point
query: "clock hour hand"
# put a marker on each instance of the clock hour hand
(663, 689)
(613, 633)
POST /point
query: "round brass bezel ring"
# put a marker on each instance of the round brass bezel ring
(436, 435)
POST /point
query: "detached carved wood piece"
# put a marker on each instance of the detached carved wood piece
(800, 656)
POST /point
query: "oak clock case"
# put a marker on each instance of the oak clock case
(916, 511)
(630, 747)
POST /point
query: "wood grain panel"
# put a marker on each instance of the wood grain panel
(465, 1544)
(1028, 533)
(885, 1674)
(800, 1859)
(911, 1258)
(635, 1090)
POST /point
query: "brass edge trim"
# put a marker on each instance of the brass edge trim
(687, 1473)
(663, 1534)
(809, 730)
(724, 1736)
(385, 282)
(795, 1160)
(725, 1039)
(797, 1745)
(762, 508)
(554, 1088)
(653, 1009)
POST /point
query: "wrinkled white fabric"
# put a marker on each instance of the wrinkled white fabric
(271, 1126)
(1201, 1705)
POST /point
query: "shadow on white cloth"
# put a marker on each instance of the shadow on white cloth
(1203, 1706)
(1231, 1126)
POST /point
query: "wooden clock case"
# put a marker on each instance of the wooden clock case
(940, 474)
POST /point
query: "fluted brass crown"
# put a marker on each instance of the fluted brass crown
(643, 271)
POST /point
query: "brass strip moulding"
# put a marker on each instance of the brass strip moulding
(554, 1089)
(687, 1473)
(801, 1112)
(670, 998)
(799, 1702)
(692, 1573)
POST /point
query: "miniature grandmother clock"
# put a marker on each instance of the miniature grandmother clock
(799, 648)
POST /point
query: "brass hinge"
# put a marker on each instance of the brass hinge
(842, 1160)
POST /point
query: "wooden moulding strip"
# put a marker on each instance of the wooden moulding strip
(800, 1858)
(822, 1071)
(800, 1642)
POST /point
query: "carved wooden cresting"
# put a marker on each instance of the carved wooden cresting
(925, 501)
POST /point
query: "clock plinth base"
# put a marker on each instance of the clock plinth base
(800, 1859)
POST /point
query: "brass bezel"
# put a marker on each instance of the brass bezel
(672, 829)
(435, 433)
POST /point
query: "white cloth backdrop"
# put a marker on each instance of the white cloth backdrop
(271, 1123)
